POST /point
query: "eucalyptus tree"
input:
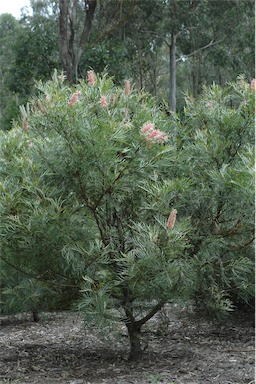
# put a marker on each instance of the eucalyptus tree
(76, 22)
(207, 41)
(220, 48)
(30, 51)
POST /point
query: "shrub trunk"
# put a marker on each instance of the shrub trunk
(135, 342)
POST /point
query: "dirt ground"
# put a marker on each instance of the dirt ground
(59, 349)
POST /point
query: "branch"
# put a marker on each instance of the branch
(211, 44)
(86, 29)
(118, 177)
(153, 311)
(241, 246)
(88, 23)
(38, 278)
(234, 230)
(18, 269)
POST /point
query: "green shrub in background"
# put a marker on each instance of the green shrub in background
(91, 181)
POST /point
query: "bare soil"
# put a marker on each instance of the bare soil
(60, 349)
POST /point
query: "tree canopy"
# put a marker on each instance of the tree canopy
(133, 39)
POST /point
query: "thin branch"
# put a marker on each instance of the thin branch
(18, 269)
(241, 246)
(38, 278)
(211, 44)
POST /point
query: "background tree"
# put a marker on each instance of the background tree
(36, 55)
(75, 30)
(71, 45)
(214, 42)
(32, 53)
(225, 32)
(198, 34)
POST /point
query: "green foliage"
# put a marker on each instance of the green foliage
(9, 30)
(75, 199)
(103, 164)
(29, 52)
(217, 147)
(132, 39)
(87, 186)
(32, 230)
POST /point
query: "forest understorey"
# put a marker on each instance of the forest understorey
(178, 350)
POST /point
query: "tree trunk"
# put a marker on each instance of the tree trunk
(134, 329)
(85, 33)
(173, 73)
(71, 47)
(35, 316)
(135, 342)
(65, 49)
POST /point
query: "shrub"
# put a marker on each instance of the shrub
(92, 180)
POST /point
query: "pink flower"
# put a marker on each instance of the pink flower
(91, 77)
(103, 101)
(73, 99)
(253, 85)
(171, 219)
(162, 137)
(25, 125)
(127, 87)
(157, 135)
(147, 127)
(153, 134)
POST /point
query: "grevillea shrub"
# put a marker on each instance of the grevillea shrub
(215, 175)
(112, 206)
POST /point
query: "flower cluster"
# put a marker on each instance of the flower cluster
(91, 77)
(103, 101)
(153, 134)
(73, 99)
(127, 87)
(171, 219)
(253, 85)
(25, 125)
